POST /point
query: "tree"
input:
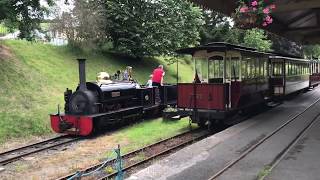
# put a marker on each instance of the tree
(312, 51)
(256, 38)
(24, 15)
(84, 25)
(152, 27)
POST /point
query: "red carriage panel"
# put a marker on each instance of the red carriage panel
(235, 93)
(314, 79)
(207, 96)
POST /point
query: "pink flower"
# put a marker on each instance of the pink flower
(266, 11)
(268, 18)
(264, 24)
(270, 21)
(254, 3)
(254, 9)
(244, 9)
(272, 6)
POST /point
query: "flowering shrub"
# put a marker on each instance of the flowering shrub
(254, 13)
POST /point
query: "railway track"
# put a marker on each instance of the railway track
(283, 153)
(16, 154)
(149, 153)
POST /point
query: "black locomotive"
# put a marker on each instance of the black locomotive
(94, 106)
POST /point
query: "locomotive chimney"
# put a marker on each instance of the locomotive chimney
(82, 74)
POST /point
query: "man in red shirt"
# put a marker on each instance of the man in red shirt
(157, 80)
(157, 76)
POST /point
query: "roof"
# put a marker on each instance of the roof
(297, 20)
(288, 58)
(219, 46)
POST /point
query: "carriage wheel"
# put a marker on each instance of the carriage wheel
(201, 123)
(215, 125)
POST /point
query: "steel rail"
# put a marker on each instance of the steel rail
(107, 177)
(18, 153)
(292, 144)
(254, 146)
(142, 149)
(111, 161)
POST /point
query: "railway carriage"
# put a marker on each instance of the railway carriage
(228, 78)
(288, 75)
(314, 73)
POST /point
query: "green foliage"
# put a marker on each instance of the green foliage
(217, 28)
(256, 38)
(24, 15)
(152, 27)
(3, 29)
(312, 51)
(148, 132)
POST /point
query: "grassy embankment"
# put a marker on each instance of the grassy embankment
(34, 76)
(3, 30)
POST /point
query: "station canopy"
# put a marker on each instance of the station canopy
(297, 20)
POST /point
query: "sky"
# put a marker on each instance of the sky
(61, 4)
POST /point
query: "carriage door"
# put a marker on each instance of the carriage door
(278, 75)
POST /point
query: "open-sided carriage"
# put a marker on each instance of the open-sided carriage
(228, 78)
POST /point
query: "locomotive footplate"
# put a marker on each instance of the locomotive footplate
(114, 117)
(136, 108)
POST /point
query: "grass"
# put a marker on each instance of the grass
(148, 132)
(33, 79)
(3, 29)
(264, 172)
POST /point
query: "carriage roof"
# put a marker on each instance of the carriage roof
(288, 58)
(221, 47)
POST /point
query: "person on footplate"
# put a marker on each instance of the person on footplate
(157, 76)
(157, 81)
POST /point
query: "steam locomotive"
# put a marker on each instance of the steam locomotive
(94, 106)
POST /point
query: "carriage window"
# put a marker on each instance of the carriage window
(265, 67)
(228, 68)
(216, 69)
(277, 69)
(201, 67)
(300, 69)
(304, 69)
(252, 67)
(261, 65)
(294, 69)
(235, 68)
(244, 69)
(249, 67)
